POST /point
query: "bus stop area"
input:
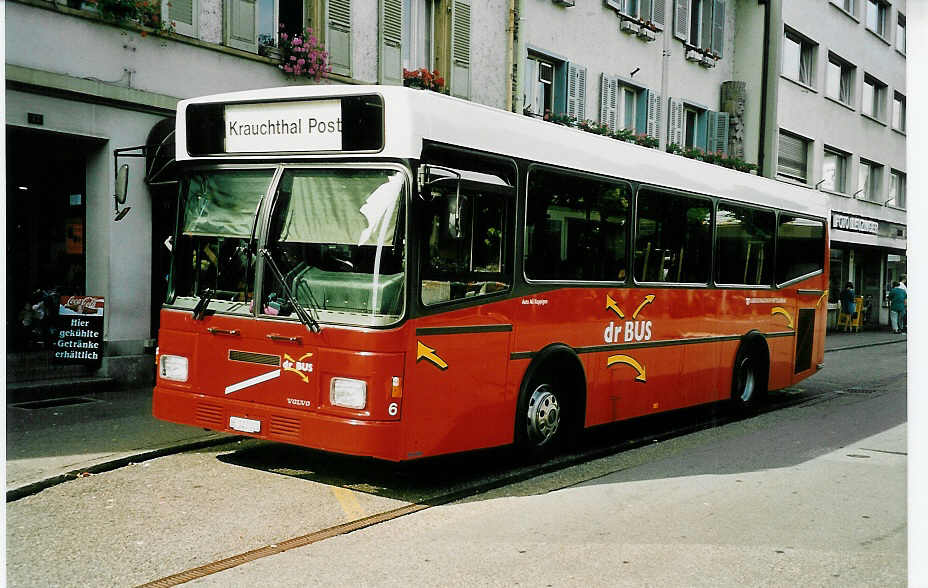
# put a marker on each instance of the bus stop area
(51, 439)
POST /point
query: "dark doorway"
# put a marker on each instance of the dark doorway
(45, 222)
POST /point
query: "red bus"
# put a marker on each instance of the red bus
(396, 273)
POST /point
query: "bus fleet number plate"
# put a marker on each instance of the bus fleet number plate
(245, 425)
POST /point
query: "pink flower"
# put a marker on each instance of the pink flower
(297, 41)
(283, 36)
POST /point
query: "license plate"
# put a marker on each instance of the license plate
(245, 425)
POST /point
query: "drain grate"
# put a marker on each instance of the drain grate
(53, 403)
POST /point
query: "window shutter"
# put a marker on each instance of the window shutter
(460, 48)
(240, 26)
(705, 32)
(576, 91)
(391, 42)
(681, 19)
(654, 114)
(608, 97)
(675, 123)
(528, 84)
(183, 13)
(718, 27)
(717, 141)
(791, 160)
(616, 4)
(338, 35)
(657, 13)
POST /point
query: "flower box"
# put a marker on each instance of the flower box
(646, 34)
(627, 26)
(707, 61)
(694, 55)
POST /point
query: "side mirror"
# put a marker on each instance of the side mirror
(122, 185)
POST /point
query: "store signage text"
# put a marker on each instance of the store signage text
(854, 223)
(80, 330)
(284, 126)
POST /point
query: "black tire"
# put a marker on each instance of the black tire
(541, 417)
(749, 378)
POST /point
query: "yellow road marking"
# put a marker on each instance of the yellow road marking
(349, 503)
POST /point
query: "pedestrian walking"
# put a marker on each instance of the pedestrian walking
(847, 299)
(897, 306)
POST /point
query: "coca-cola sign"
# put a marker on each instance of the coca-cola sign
(80, 330)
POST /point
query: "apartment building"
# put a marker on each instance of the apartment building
(840, 129)
(85, 78)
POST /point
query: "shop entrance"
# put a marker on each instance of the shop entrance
(45, 223)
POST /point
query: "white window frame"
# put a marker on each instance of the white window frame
(844, 69)
(897, 118)
(418, 34)
(838, 183)
(897, 185)
(874, 93)
(882, 11)
(901, 33)
(807, 53)
(622, 116)
(869, 183)
(789, 173)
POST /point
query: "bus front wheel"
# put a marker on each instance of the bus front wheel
(540, 422)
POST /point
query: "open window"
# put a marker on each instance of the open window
(466, 226)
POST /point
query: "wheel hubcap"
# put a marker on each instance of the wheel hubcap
(747, 380)
(544, 415)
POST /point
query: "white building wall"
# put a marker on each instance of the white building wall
(588, 34)
(808, 112)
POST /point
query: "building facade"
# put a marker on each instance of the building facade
(841, 131)
(70, 104)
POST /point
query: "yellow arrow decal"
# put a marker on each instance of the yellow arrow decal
(426, 352)
(824, 296)
(647, 300)
(611, 305)
(614, 359)
(289, 365)
(781, 310)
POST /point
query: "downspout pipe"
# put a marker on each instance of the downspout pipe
(510, 47)
(520, 53)
(665, 78)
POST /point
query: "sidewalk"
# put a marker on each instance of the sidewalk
(58, 440)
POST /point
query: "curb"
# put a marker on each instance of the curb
(15, 494)
(859, 345)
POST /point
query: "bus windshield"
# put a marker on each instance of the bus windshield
(337, 237)
(212, 257)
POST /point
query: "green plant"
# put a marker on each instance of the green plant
(302, 55)
(146, 13)
(424, 79)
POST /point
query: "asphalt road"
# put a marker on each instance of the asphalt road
(811, 493)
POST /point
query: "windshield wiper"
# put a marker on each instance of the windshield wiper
(199, 311)
(304, 316)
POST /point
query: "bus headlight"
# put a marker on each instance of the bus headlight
(348, 393)
(173, 367)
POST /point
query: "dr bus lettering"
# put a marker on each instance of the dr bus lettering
(636, 331)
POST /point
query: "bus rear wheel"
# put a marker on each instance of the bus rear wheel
(748, 382)
(543, 416)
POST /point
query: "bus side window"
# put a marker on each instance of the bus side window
(673, 238)
(473, 265)
(800, 247)
(576, 227)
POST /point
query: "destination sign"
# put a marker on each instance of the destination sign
(284, 126)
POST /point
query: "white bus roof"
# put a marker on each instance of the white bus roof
(412, 116)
